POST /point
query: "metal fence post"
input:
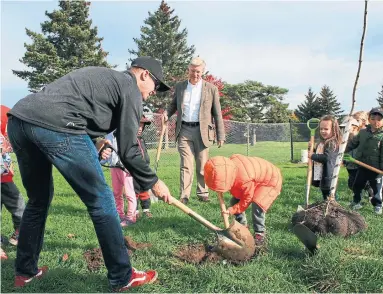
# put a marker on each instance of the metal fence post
(291, 141)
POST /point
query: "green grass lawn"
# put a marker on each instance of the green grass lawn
(342, 265)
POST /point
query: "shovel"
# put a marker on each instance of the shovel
(223, 210)
(310, 162)
(159, 148)
(348, 157)
(307, 237)
(234, 242)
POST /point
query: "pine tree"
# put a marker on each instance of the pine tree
(162, 38)
(309, 108)
(67, 42)
(327, 103)
(380, 97)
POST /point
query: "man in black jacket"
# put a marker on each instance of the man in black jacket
(55, 127)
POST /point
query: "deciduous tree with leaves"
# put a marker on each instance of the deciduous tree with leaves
(251, 100)
(67, 42)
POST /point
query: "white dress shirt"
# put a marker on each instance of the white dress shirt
(192, 102)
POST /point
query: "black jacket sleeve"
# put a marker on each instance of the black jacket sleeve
(330, 153)
(128, 148)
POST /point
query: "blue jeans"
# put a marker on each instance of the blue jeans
(75, 156)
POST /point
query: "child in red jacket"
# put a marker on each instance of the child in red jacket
(10, 195)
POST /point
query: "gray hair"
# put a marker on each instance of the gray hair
(197, 61)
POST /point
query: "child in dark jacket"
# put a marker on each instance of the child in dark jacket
(325, 154)
(370, 151)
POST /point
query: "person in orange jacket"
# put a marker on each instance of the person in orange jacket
(250, 180)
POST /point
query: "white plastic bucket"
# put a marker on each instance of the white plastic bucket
(304, 156)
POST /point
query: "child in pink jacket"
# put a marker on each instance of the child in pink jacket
(122, 184)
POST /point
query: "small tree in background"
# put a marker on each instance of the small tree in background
(309, 108)
(328, 104)
(380, 97)
(162, 38)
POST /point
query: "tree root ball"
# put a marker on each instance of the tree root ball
(329, 217)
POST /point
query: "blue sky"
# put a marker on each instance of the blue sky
(291, 44)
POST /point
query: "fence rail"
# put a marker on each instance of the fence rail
(286, 138)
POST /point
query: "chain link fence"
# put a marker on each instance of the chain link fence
(282, 142)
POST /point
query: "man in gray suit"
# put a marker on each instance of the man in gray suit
(197, 103)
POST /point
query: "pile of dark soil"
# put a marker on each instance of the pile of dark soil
(329, 217)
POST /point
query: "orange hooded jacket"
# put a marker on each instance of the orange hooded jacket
(249, 179)
(257, 181)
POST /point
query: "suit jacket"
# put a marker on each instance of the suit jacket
(210, 108)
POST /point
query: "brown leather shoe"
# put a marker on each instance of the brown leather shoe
(203, 198)
(184, 200)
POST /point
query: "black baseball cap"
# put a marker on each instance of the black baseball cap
(376, 110)
(154, 67)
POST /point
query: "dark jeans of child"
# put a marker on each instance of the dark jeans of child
(362, 177)
(13, 202)
(351, 180)
(145, 204)
(351, 177)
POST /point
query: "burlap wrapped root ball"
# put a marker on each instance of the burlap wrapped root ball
(220, 173)
(337, 221)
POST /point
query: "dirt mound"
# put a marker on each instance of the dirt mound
(197, 254)
(132, 245)
(330, 217)
(242, 236)
(95, 260)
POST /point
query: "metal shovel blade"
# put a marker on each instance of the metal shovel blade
(306, 236)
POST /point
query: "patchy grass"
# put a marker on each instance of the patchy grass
(342, 265)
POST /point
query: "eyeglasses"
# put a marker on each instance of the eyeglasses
(157, 83)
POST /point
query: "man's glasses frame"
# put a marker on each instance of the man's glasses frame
(157, 83)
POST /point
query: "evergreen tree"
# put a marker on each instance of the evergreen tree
(162, 38)
(67, 42)
(328, 104)
(309, 108)
(380, 97)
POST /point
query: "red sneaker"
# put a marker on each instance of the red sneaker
(21, 281)
(139, 278)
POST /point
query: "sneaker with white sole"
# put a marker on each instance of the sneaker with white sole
(356, 206)
(21, 281)
(378, 209)
(138, 278)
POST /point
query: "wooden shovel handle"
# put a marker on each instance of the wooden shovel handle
(378, 171)
(309, 171)
(159, 148)
(223, 210)
(194, 215)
